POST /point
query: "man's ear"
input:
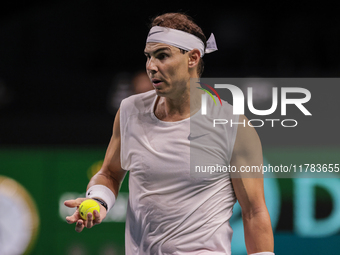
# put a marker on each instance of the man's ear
(194, 57)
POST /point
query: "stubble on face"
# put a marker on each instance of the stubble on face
(167, 69)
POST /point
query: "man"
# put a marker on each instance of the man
(170, 211)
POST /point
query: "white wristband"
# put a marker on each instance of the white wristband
(263, 253)
(102, 192)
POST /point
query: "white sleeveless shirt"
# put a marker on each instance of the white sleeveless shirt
(170, 210)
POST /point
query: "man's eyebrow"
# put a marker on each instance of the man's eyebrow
(158, 50)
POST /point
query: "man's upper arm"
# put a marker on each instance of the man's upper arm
(111, 174)
(247, 152)
(112, 156)
(249, 191)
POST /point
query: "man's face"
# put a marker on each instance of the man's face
(167, 69)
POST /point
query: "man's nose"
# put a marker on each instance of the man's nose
(151, 66)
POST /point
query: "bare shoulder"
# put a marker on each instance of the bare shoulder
(247, 140)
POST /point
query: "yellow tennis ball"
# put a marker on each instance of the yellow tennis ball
(88, 206)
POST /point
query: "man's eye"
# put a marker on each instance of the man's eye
(162, 56)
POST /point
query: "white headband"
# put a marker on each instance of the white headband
(181, 39)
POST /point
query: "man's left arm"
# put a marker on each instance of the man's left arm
(250, 192)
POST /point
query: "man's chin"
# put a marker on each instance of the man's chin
(160, 92)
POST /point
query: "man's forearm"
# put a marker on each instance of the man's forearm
(258, 231)
(104, 187)
(101, 178)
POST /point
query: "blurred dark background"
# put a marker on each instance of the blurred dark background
(62, 62)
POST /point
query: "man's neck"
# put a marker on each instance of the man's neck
(182, 107)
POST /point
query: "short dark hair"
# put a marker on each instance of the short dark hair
(184, 22)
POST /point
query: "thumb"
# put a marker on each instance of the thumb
(74, 202)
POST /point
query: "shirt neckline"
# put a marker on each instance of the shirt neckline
(153, 115)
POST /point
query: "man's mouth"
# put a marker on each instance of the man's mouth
(156, 82)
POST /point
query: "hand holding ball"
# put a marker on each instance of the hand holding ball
(88, 206)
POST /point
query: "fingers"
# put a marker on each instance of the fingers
(80, 226)
(97, 218)
(91, 220)
(74, 203)
(73, 218)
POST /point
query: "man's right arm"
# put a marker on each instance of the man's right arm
(111, 176)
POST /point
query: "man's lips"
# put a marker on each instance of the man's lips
(156, 82)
